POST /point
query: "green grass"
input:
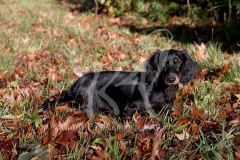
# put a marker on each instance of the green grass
(42, 44)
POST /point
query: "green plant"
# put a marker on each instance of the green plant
(217, 146)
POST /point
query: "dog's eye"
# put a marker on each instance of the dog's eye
(167, 62)
(177, 61)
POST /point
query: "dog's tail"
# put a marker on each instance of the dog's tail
(59, 102)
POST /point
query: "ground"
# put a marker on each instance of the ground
(44, 48)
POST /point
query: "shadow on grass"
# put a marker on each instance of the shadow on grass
(228, 36)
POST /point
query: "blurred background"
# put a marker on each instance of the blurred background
(189, 21)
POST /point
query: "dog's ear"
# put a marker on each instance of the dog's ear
(189, 68)
(152, 68)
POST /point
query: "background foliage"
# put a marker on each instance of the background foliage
(213, 20)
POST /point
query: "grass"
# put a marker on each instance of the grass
(43, 47)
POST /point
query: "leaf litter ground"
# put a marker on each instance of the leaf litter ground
(50, 55)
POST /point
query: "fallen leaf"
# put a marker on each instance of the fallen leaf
(186, 91)
(62, 108)
(142, 60)
(157, 141)
(197, 112)
(139, 122)
(236, 140)
(123, 146)
(224, 70)
(100, 153)
(238, 96)
(46, 139)
(68, 138)
(203, 74)
(201, 52)
(235, 105)
(194, 127)
(236, 155)
(102, 121)
(182, 136)
(78, 72)
(120, 135)
(127, 126)
(178, 110)
(182, 121)
(234, 122)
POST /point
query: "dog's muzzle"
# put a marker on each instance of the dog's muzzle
(172, 78)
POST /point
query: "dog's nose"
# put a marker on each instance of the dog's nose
(171, 78)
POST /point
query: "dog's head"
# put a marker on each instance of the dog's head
(172, 66)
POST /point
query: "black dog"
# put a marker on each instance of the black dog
(124, 93)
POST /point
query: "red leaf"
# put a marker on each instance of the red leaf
(123, 147)
(182, 121)
(120, 135)
(139, 122)
(224, 70)
(68, 138)
(46, 139)
(197, 112)
(156, 143)
(178, 110)
(194, 127)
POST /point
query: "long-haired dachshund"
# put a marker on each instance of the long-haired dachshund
(124, 93)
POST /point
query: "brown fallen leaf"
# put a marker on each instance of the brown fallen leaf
(201, 52)
(62, 108)
(103, 121)
(127, 126)
(120, 135)
(139, 121)
(234, 123)
(46, 139)
(197, 112)
(155, 152)
(194, 127)
(238, 96)
(186, 91)
(182, 121)
(178, 110)
(204, 74)
(142, 60)
(68, 138)
(182, 136)
(236, 155)
(123, 146)
(100, 154)
(236, 140)
(235, 105)
(224, 70)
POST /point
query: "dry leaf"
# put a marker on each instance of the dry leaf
(67, 138)
(224, 70)
(234, 122)
(194, 127)
(238, 96)
(100, 153)
(182, 121)
(139, 122)
(155, 151)
(182, 136)
(201, 52)
(197, 112)
(142, 60)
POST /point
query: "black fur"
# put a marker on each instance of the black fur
(124, 93)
